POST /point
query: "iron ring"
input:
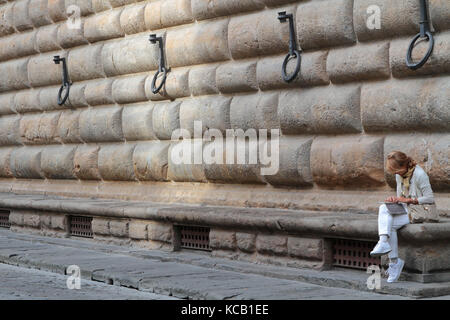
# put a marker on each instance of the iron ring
(154, 89)
(409, 62)
(63, 100)
(297, 55)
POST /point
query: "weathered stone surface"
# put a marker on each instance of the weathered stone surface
(100, 226)
(361, 62)
(166, 119)
(176, 85)
(201, 43)
(46, 38)
(48, 100)
(439, 61)
(86, 162)
(71, 37)
(212, 111)
(132, 19)
(31, 219)
(406, 105)
(57, 162)
(57, 10)
(175, 12)
(152, 15)
(59, 222)
(294, 167)
(396, 18)
(68, 127)
(119, 228)
(26, 163)
(431, 151)
(16, 218)
(138, 229)
(20, 45)
(271, 244)
(150, 160)
(129, 89)
(14, 75)
(100, 5)
(440, 11)
(99, 92)
(347, 161)
(85, 63)
(312, 71)
(202, 80)
(39, 128)
(246, 241)
(103, 26)
(426, 258)
(21, 17)
(119, 3)
(101, 124)
(322, 24)
(222, 239)
(159, 231)
(77, 97)
(6, 15)
(27, 101)
(6, 103)
(9, 130)
(258, 34)
(254, 111)
(115, 162)
(137, 123)
(42, 71)
(237, 77)
(206, 9)
(184, 161)
(38, 12)
(305, 248)
(5, 162)
(320, 110)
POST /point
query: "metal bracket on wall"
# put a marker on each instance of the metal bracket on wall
(66, 83)
(294, 52)
(162, 64)
(424, 33)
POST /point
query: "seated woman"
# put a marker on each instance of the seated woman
(413, 187)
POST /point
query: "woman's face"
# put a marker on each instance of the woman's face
(401, 171)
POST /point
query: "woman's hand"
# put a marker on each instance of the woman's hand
(392, 199)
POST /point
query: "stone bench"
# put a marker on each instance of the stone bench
(278, 236)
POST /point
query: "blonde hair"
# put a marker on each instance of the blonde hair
(397, 160)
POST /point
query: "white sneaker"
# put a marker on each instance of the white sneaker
(380, 249)
(396, 270)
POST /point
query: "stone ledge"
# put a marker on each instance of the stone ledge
(318, 223)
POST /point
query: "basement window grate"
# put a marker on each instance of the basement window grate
(81, 226)
(193, 237)
(4, 219)
(354, 254)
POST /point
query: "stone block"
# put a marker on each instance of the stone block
(409, 105)
(120, 3)
(152, 15)
(20, 45)
(182, 164)
(207, 9)
(31, 219)
(77, 97)
(431, 151)
(85, 63)
(427, 258)
(5, 162)
(324, 24)
(137, 123)
(38, 13)
(271, 244)
(68, 36)
(7, 23)
(100, 5)
(68, 126)
(440, 11)
(27, 101)
(351, 161)
(160, 231)
(176, 85)
(16, 218)
(150, 160)
(305, 248)
(293, 161)
(86, 162)
(119, 228)
(396, 17)
(101, 124)
(39, 128)
(130, 55)
(9, 130)
(14, 75)
(132, 19)
(100, 226)
(333, 109)
(212, 111)
(258, 34)
(246, 241)
(26, 163)
(59, 222)
(138, 229)
(202, 80)
(129, 89)
(57, 10)
(7, 103)
(115, 162)
(166, 119)
(222, 239)
(312, 71)
(47, 38)
(21, 17)
(357, 63)
(99, 92)
(254, 111)
(42, 71)
(200, 43)
(237, 76)
(103, 26)
(57, 162)
(175, 12)
(439, 61)
(48, 97)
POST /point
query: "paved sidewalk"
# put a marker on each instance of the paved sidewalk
(193, 275)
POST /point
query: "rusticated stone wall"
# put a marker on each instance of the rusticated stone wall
(352, 103)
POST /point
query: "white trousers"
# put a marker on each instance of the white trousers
(389, 224)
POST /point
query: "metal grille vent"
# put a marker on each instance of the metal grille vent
(4, 219)
(194, 237)
(354, 254)
(81, 226)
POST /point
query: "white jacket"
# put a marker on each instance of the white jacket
(419, 186)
